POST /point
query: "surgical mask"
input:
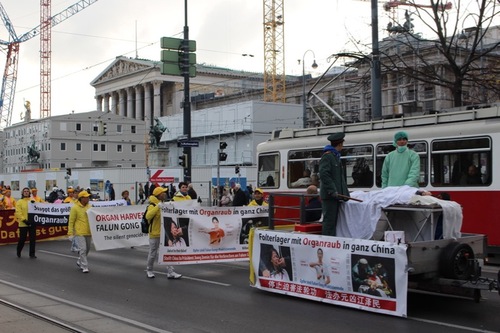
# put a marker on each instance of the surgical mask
(401, 149)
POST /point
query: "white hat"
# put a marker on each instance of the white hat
(54, 189)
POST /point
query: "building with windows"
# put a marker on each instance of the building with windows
(77, 140)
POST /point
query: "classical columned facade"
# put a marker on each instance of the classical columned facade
(135, 89)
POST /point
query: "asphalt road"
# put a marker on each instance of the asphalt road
(218, 298)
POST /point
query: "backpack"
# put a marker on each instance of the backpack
(145, 224)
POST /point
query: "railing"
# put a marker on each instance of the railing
(289, 208)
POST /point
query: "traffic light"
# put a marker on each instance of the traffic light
(68, 171)
(237, 169)
(104, 128)
(222, 156)
(183, 161)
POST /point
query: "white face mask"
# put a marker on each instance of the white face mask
(401, 149)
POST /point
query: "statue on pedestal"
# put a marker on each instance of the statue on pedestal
(156, 132)
(33, 153)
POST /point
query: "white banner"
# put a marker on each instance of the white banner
(48, 214)
(207, 234)
(362, 274)
(119, 202)
(114, 227)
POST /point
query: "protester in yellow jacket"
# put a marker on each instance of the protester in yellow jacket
(25, 227)
(182, 194)
(79, 228)
(34, 195)
(153, 213)
(8, 202)
(258, 198)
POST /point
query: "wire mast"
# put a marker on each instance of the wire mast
(9, 81)
(45, 58)
(274, 51)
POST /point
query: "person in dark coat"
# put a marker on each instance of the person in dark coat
(313, 207)
(191, 192)
(240, 198)
(112, 194)
(333, 183)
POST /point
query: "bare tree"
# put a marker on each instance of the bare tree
(464, 56)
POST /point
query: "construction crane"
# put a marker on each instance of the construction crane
(10, 72)
(274, 51)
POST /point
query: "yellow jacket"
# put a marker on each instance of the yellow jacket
(21, 213)
(254, 203)
(8, 202)
(154, 214)
(78, 224)
(37, 199)
(180, 197)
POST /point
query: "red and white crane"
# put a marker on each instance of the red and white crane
(12, 45)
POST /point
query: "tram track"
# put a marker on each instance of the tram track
(27, 313)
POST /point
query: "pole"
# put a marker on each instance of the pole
(376, 85)
(304, 97)
(218, 190)
(304, 106)
(187, 102)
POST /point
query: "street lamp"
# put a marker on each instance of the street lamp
(304, 101)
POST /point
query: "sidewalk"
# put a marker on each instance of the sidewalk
(79, 318)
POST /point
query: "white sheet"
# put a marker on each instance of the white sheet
(359, 219)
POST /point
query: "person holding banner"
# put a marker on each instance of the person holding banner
(153, 213)
(25, 226)
(79, 228)
(182, 194)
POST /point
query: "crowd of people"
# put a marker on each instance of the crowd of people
(79, 231)
(400, 167)
(236, 196)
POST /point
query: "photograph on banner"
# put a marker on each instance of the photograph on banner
(350, 272)
(114, 227)
(194, 234)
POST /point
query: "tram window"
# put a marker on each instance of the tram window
(303, 167)
(461, 162)
(420, 147)
(269, 166)
(358, 163)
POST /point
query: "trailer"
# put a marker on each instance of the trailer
(426, 261)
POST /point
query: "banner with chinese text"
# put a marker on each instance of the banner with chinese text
(362, 274)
